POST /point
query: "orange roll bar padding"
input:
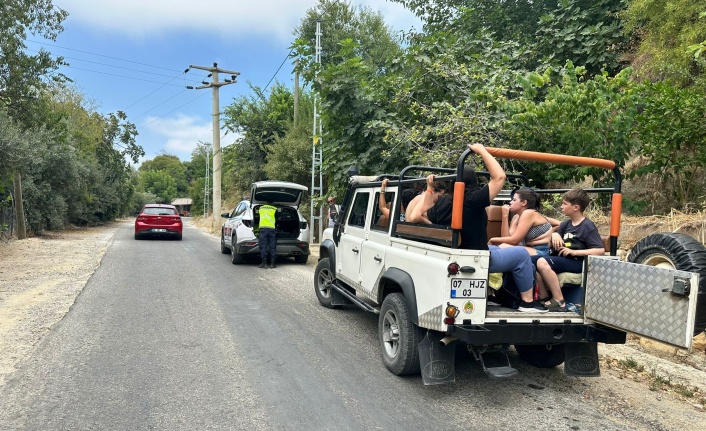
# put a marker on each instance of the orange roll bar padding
(505, 153)
(457, 212)
(615, 211)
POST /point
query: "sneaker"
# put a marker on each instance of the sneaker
(532, 307)
(492, 302)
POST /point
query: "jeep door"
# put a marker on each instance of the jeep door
(349, 250)
(372, 257)
(647, 300)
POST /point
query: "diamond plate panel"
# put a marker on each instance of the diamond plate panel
(629, 296)
(432, 319)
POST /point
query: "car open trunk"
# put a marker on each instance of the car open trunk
(286, 221)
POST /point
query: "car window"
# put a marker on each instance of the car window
(159, 211)
(358, 210)
(379, 221)
(240, 209)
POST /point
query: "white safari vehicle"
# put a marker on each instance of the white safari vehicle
(431, 296)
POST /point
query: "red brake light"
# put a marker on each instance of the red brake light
(453, 268)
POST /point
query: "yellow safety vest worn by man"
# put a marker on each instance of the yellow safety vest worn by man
(267, 235)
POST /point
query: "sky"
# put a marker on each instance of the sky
(130, 55)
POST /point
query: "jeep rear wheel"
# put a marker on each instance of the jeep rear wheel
(676, 251)
(323, 277)
(398, 336)
(542, 356)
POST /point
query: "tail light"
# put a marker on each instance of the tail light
(453, 268)
(451, 312)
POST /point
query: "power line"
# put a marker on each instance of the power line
(181, 106)
(158, 105)
(122, 76)
(111, 65)
(101, 55)
(278, 69)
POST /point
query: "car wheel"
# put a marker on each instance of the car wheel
(178, 237)
(224, 247)
(235, 257)
(302, 258)
(680, 252)
(137, 236)
(542, 356)
(323, 277)
(398, 336)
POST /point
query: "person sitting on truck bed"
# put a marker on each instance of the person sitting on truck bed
(576, 238)
(474, 230)
(417, 210)
(527, 228)
(384, 206)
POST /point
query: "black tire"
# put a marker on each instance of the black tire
(323, 277)
(302, 258)
(543, 355)
(137, 236)
(398, 336)
(224, 247)
(235, 257)
(676, 251)
(178, 237)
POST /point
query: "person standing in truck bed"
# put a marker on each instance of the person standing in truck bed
(474, 229)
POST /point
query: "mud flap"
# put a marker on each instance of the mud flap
(581, 360)
(337, 298)
(437, 362)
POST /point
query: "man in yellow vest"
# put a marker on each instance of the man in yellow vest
(267, 235)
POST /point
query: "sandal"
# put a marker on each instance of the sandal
(555, 305)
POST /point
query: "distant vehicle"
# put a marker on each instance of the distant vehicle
(158, 220)
(239, 232)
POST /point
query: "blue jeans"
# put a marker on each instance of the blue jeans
(516, 260)
(268, 242)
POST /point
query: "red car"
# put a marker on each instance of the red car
(158, 220)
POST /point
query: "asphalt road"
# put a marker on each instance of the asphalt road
(169, 335)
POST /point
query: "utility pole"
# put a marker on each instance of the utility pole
(215, 85)
(206, 180)
(316, 152)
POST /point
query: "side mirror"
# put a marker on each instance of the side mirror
(225, 215)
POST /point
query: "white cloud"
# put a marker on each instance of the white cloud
(273, 18)
(178, 135)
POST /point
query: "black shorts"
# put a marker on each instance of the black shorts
(560, 264)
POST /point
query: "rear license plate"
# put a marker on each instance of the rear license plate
(468, 288)
(159, 230)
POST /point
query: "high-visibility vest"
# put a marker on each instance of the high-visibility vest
(267, 216)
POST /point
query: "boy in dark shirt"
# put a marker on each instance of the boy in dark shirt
(576, 238)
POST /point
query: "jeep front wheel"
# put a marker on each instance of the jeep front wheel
(398, 336)
(323, 277)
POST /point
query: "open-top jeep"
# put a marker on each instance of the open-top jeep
(431, 295)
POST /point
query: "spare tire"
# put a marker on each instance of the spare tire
(676, 251)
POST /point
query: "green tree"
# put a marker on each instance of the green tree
(663, 32)
(171, 166)
(257, 120)
(582, 117)
(22, 75)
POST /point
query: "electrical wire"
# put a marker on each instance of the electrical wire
(100, 55)
(278, 69)
(192, 100)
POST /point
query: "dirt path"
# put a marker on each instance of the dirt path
(41, 277)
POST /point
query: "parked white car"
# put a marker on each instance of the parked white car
(239, 233)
